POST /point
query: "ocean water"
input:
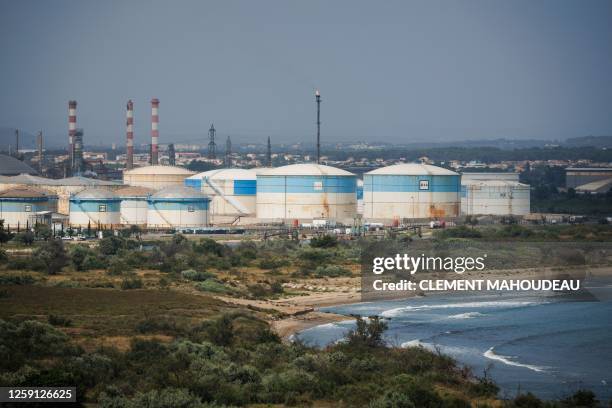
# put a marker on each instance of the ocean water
(551, 345)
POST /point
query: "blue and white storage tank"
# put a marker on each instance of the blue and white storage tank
(411, 191)
(25, 206)
(306, 192)
(232, 192)
(134, 204)
(178, 207)
(95, 207)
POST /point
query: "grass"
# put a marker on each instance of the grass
(105, 312)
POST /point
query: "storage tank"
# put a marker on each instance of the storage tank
(25, 207)
(178, 207)
(232, 191)
(494, 197)
(359, 196)
(306, 192)
(156, 177)
(411, 191)
(95, 207)
(134, 204)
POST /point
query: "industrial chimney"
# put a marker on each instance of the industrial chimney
(154, 131)
(130, 135)
(72, 105)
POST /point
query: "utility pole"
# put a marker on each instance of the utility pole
(318, 99)
(40, 153)
(228, 153)
(212, 147)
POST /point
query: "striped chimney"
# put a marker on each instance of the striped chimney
(154, 130)
(71, 127)
(129, 115)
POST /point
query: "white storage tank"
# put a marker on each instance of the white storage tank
(411, 191)
(232, 191)
(306, 192)
(494, 197)
(23, 207)
(134, 204)
(156, 177)
(96, 208)
(178, 207)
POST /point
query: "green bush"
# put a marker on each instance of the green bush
(213, 286)
(131, 283)
(273, 262)
(331, 271)
(16, 279)
(197, 276)
(56, 320)
(118, 266)
(324, 241)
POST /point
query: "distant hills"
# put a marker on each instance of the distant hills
(593, 141)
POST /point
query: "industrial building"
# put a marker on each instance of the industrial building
(411, 191)
(494, 197)
(134, 205)
(177, 207)
(22, 207)
(96, 208)
(306, 192)
(10, 166)
(156, 177)
(590, 180)
(232, 191)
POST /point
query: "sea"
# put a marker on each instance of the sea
(549, 344)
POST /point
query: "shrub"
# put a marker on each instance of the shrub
(131, 283)
(459, 232)
(367, 333)
(78, 255)
(583, 399)
(16, 280)
(118, 266)
(197, 276)
(213, 286)
(273, 262)
(331, 271)
(53, 256)
(392, 399)
(324, 241)
(57, 320)
(110, 245)
(24, 238)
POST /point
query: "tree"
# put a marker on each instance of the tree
(53, 256)
(4, 235)
(26, 238)
(368, 332)
(78, 254)
(43, 231)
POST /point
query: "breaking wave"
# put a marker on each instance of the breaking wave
(490, 354)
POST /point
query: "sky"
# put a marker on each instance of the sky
(393, 71)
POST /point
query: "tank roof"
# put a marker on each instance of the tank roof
(179, 192)
(134, 191)
(25, 192)
(307, 169)
(85, 181)
(95, 194)
(493, 183)
(226, 174)
(159, 169)
(413, 169)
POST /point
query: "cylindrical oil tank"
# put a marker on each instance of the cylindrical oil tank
(178, 207)
(95, 207)
(494, 197)
(156, 177)
(25, 206)
(306, 192)
(134, 204)
(232, 191)
(411, 191)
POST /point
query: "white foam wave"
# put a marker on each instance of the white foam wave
(490, 354)
(468, 315)
(497, 304)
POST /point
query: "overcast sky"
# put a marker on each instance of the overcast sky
(399, 71)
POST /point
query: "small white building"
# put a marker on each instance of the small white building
(178, 207)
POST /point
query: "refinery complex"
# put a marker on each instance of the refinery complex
(168, 197)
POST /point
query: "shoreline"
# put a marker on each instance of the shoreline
(310, 316)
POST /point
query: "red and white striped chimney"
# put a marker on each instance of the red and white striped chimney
(129, 115)
(71, 127)
(154, 130)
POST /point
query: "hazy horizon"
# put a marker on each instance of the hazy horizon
(399, 72)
